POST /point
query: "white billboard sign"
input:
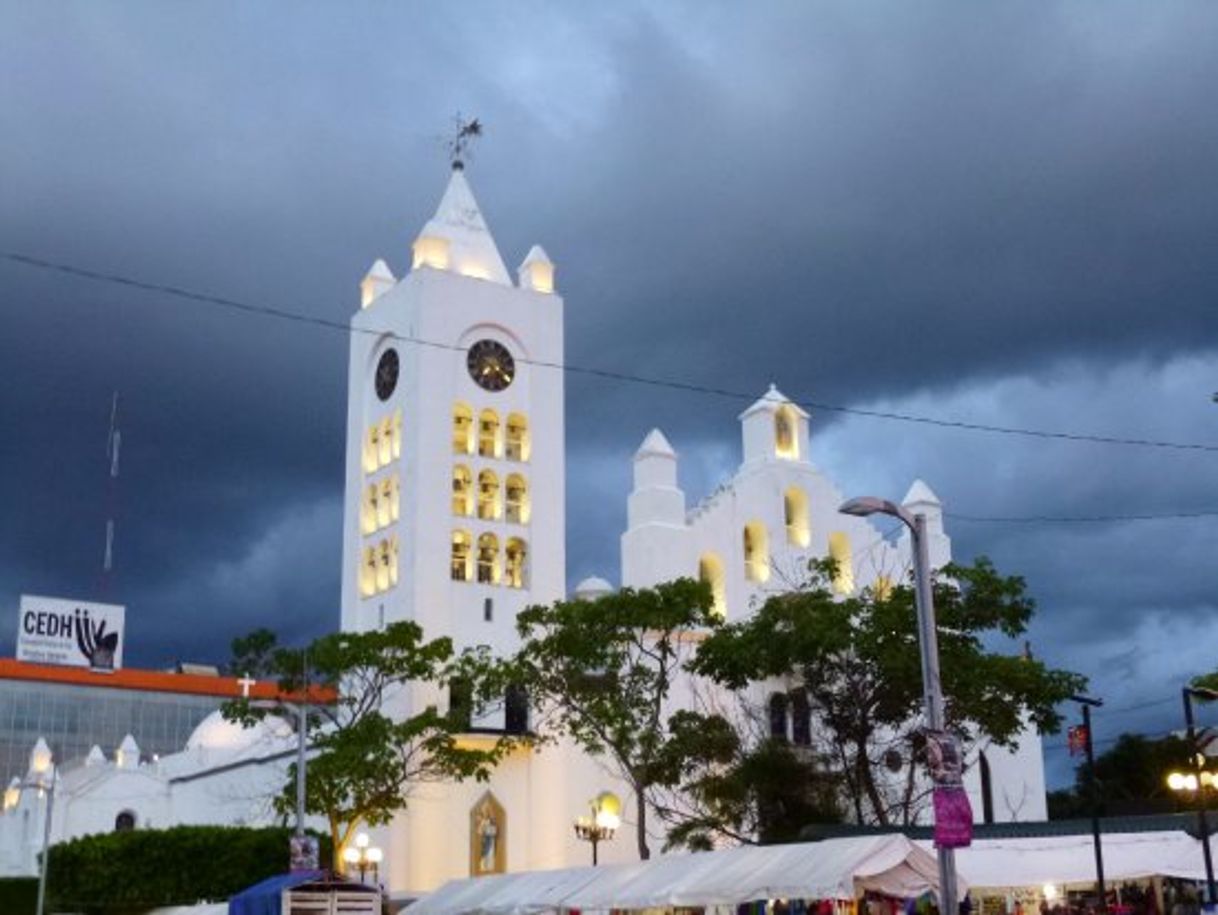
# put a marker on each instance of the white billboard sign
(51, 630)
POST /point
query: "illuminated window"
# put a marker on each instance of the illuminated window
(786, 444)
(756, 552)
(367, 510)
(795, 513)
(488, 495)
(710, 569)
(387, 564)
(463, 491)
(839, 550)
(372, 448)
(882, 589)
(463, 429)
(517, 554)
(488, 434)
(397, 434)
(460, 556)
(517, 499)
(389, 505)
(385, 449)
(517, 447)
(488, 559)
(367, 572)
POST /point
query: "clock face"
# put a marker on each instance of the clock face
(490, 365)
(387, 374)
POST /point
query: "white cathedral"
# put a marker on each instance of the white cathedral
(455, 517)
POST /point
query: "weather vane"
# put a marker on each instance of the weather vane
(458, 145)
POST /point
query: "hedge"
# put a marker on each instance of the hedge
(122, 873)
(18, 895)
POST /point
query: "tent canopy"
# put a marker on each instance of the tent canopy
(1062, 860)
(835, 869)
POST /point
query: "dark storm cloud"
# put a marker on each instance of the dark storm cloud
(1014, 205)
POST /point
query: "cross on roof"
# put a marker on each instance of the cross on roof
(246, 683)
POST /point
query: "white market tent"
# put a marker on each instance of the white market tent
(1063, 860)
(832, 869)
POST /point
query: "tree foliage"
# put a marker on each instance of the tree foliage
(859, 661)
(602, 671)
(1131, 778)
(364, 758)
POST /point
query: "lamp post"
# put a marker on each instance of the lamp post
(928, 643)
(363, 856)
(1196, 781)
(1093, 788)
(606, 817)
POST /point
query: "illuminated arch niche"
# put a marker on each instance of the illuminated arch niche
(756, 552)
(710, 570)
(795, 515)
(786, 441)
(839, 550)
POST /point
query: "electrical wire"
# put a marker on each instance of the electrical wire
(1080, 519)
(669, 383)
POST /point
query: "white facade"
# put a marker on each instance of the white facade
(753, 536)
(226, 775)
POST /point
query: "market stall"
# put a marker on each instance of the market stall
(837, 870)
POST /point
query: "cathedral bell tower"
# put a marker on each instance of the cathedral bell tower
(454, 501)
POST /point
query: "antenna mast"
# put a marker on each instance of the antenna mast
(114, 442)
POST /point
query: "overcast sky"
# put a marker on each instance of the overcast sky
(991, 212)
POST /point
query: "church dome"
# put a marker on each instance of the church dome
(215, 732)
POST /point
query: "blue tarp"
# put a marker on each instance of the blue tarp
(264, 898)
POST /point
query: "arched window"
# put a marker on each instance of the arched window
(368, 506)
(795, 514)
(461, 702)
(488, 434)
(488, 495)
(756, 552)
(460, 556)
(488, 559)
(463, 491)
(387, 564)
(463, 429)
(125, 821)
(517, 447)
(517, 554)
(517, 499)
(389, 504)
(710, 570)
(778, 716)
(786, 442)
(882, 589)
(801, 718)
(385, 449)
(372, 448)
(516, 709)
(839, 550)
(367, 572)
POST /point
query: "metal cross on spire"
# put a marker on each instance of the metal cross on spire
(464, 134)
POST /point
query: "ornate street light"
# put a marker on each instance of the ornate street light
(363, 856)
(606, 809)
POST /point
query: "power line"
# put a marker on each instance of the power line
(1079, 519)
(669, 383)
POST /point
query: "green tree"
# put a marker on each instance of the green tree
(1131, 778)
(859, 661)
(602, 672)
(363, 760)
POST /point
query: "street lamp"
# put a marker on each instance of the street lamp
(928, 643)
(606, 817)
(1196, 781)
(361, 855)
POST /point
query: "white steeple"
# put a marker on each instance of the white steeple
(40, 757)
(457, 237)
(656, 498)
(921, 500)
(96, 757)
(536, 272)
(774, 428)
(376, 282)
(128, 754)
(921, 496)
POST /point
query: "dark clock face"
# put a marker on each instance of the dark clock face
(491, 365)
(387, 374)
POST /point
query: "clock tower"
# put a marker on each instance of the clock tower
(454, 499)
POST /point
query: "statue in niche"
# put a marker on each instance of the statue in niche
(487, 837)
